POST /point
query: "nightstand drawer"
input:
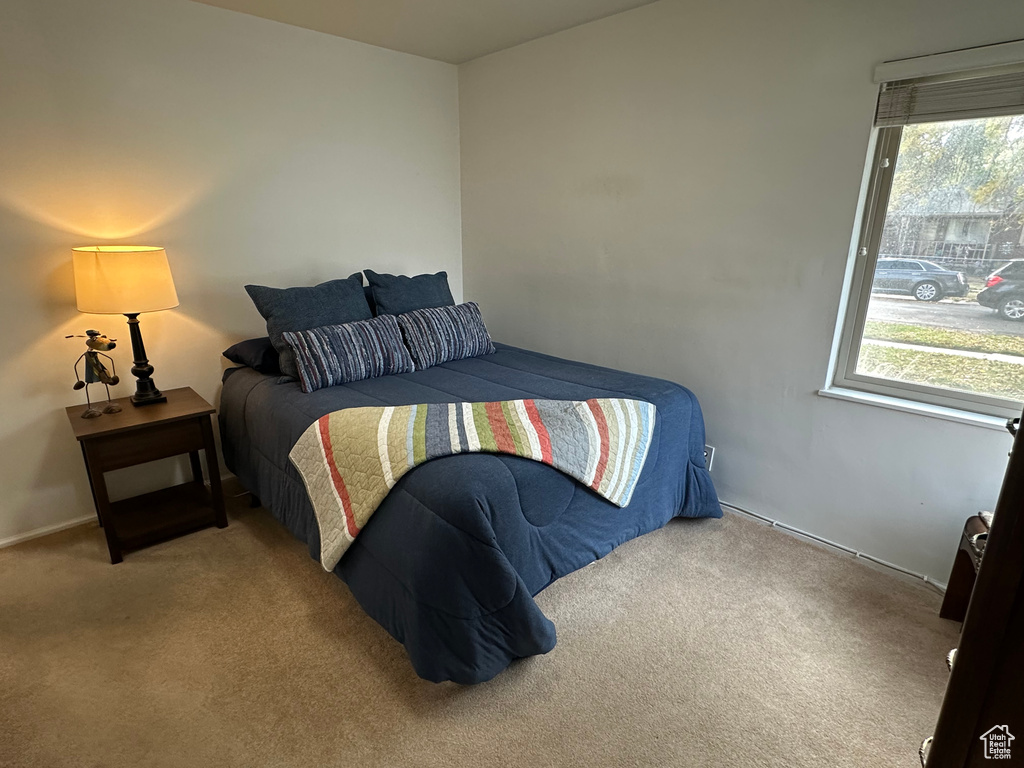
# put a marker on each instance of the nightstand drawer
(127, 449)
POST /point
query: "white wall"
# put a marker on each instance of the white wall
(251, 150)
(672, 191)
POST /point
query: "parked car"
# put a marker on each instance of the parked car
(1004, 291)
(923, 280)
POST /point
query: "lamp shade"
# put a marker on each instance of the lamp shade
(123, 279)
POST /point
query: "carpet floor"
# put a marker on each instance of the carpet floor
(708, 643)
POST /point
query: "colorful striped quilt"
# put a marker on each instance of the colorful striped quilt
(350, 459)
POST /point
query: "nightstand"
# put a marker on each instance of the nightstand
(146, 433)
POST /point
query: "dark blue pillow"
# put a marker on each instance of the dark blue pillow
(439, 334)
(398, 294)
(368, 293)
(338, 354)
(299, 309)
(259, 354)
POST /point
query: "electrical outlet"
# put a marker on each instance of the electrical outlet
(709, 456)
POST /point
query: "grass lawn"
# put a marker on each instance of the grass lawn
(969, 374)
(927, 336)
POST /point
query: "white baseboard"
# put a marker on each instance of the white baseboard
(47, 529)
(10, 541)
(842, 548)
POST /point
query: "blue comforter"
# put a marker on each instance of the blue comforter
(452, 558)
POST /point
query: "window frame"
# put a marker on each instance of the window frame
(865, 256)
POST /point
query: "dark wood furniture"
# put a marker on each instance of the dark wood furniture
(965, 569)
(136, 436)
(987, 678)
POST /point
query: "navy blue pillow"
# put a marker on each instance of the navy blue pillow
(259, 354)
(398, 294)
(299, 309)
(368, 293)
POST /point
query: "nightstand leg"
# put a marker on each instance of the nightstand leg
(216, 492)
(92, 489)
(960, 587)
(99, 489)
(197, 467)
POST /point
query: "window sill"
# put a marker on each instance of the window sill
(911, 406)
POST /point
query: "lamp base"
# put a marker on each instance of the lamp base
(158, 397)
(146, 392)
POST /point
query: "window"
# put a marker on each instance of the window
(936, 311)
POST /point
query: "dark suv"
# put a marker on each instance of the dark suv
(1004, 291)
(922, 279)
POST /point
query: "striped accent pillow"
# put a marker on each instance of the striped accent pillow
(336, 354)
(439, 334)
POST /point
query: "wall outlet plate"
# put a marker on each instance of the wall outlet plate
(709, 456)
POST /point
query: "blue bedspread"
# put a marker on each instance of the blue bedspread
(451, 560)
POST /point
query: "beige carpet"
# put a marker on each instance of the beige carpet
(709, 643)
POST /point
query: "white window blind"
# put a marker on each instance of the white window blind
(924, 101)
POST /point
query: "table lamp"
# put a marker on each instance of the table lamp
(126, 280)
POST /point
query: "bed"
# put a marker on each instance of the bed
(452, 559)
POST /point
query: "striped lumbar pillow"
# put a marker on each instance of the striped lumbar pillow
(336, 354)
(439, 334)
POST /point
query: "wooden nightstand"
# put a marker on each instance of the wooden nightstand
(145, 433)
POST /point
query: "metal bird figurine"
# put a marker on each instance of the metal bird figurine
(96, 372)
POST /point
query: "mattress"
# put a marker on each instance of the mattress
(451, 561)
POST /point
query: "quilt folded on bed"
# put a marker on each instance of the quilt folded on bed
(350, 459)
